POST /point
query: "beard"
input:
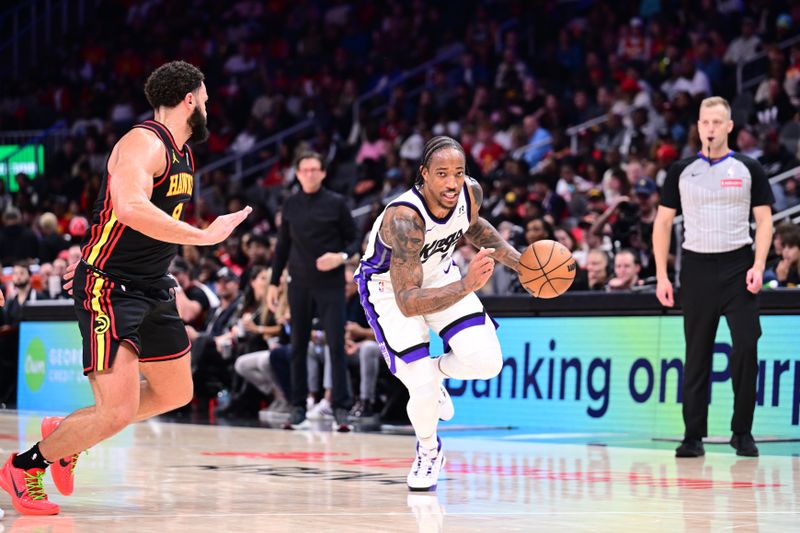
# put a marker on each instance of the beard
(198, 124)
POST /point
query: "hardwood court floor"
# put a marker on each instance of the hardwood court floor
(167, 477)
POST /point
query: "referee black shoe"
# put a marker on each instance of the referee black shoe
(690, 448)
(745, 444)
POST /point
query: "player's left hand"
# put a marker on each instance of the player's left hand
(329, 261)
(754, 279)
(68, 275)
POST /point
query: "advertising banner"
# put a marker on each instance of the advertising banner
(624, 374)
(51, 376)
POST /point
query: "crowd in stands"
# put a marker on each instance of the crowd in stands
(522, 74)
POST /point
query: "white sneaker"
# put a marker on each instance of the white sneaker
(446, 408)
(279, 405)
(2, 513)
(425, 470)
(321, 411)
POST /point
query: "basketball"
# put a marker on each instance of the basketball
(547, 269)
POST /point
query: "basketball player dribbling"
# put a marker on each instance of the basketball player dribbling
(409, 284)
(124, 299)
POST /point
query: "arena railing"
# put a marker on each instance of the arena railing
(443, 56)
(574, 131)
(743, 84)
(423, 69)
(31, 26)
(237, 161)
(25, 136)
(791, 173)
(792, 214)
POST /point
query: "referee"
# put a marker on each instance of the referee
(720, 275)
(316, 237)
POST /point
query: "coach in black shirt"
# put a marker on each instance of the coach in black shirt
(317, 236)
(720, 275)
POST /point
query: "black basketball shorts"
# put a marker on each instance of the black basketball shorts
(111, 311)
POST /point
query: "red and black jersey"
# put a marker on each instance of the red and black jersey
(121, 251)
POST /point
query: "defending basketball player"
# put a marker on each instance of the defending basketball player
(124, 299)
(409, 284)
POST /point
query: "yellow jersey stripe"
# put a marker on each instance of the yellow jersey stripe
(97, 248)
(100, 338)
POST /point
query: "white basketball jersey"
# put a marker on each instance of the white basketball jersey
(441, 236)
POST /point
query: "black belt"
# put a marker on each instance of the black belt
(743, 251)
(163, 283)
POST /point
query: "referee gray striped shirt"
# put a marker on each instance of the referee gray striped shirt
(715, 198)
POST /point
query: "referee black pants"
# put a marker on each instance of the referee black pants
(713, 285)
(330, 305)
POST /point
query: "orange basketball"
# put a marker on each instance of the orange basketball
(547, 269)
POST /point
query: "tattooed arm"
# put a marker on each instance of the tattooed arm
(483, 235)
(404, 231)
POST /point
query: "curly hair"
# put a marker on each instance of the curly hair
(169, 83)
(431, 147)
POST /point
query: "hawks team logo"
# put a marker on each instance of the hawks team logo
(101, 324)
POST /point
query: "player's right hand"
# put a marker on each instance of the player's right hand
(223, 226)
(68, 275)
(480, 269)
(664, 292)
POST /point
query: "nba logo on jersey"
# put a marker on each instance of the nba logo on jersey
(381, 286)
(461, 210)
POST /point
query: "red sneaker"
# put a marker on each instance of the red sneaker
(26, 489)
(63, 470)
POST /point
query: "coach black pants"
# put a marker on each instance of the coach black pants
(330, 306)
(714, 285)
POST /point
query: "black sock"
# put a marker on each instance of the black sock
(33, 458)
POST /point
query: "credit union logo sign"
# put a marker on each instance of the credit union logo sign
(35, 364)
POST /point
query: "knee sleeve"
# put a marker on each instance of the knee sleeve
(475, 354)
(422, 382)
(423, 410)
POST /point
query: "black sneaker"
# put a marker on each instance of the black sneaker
(690, 448)
(296, 417)
(340, 421)
(362, 409)
(745, 445)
